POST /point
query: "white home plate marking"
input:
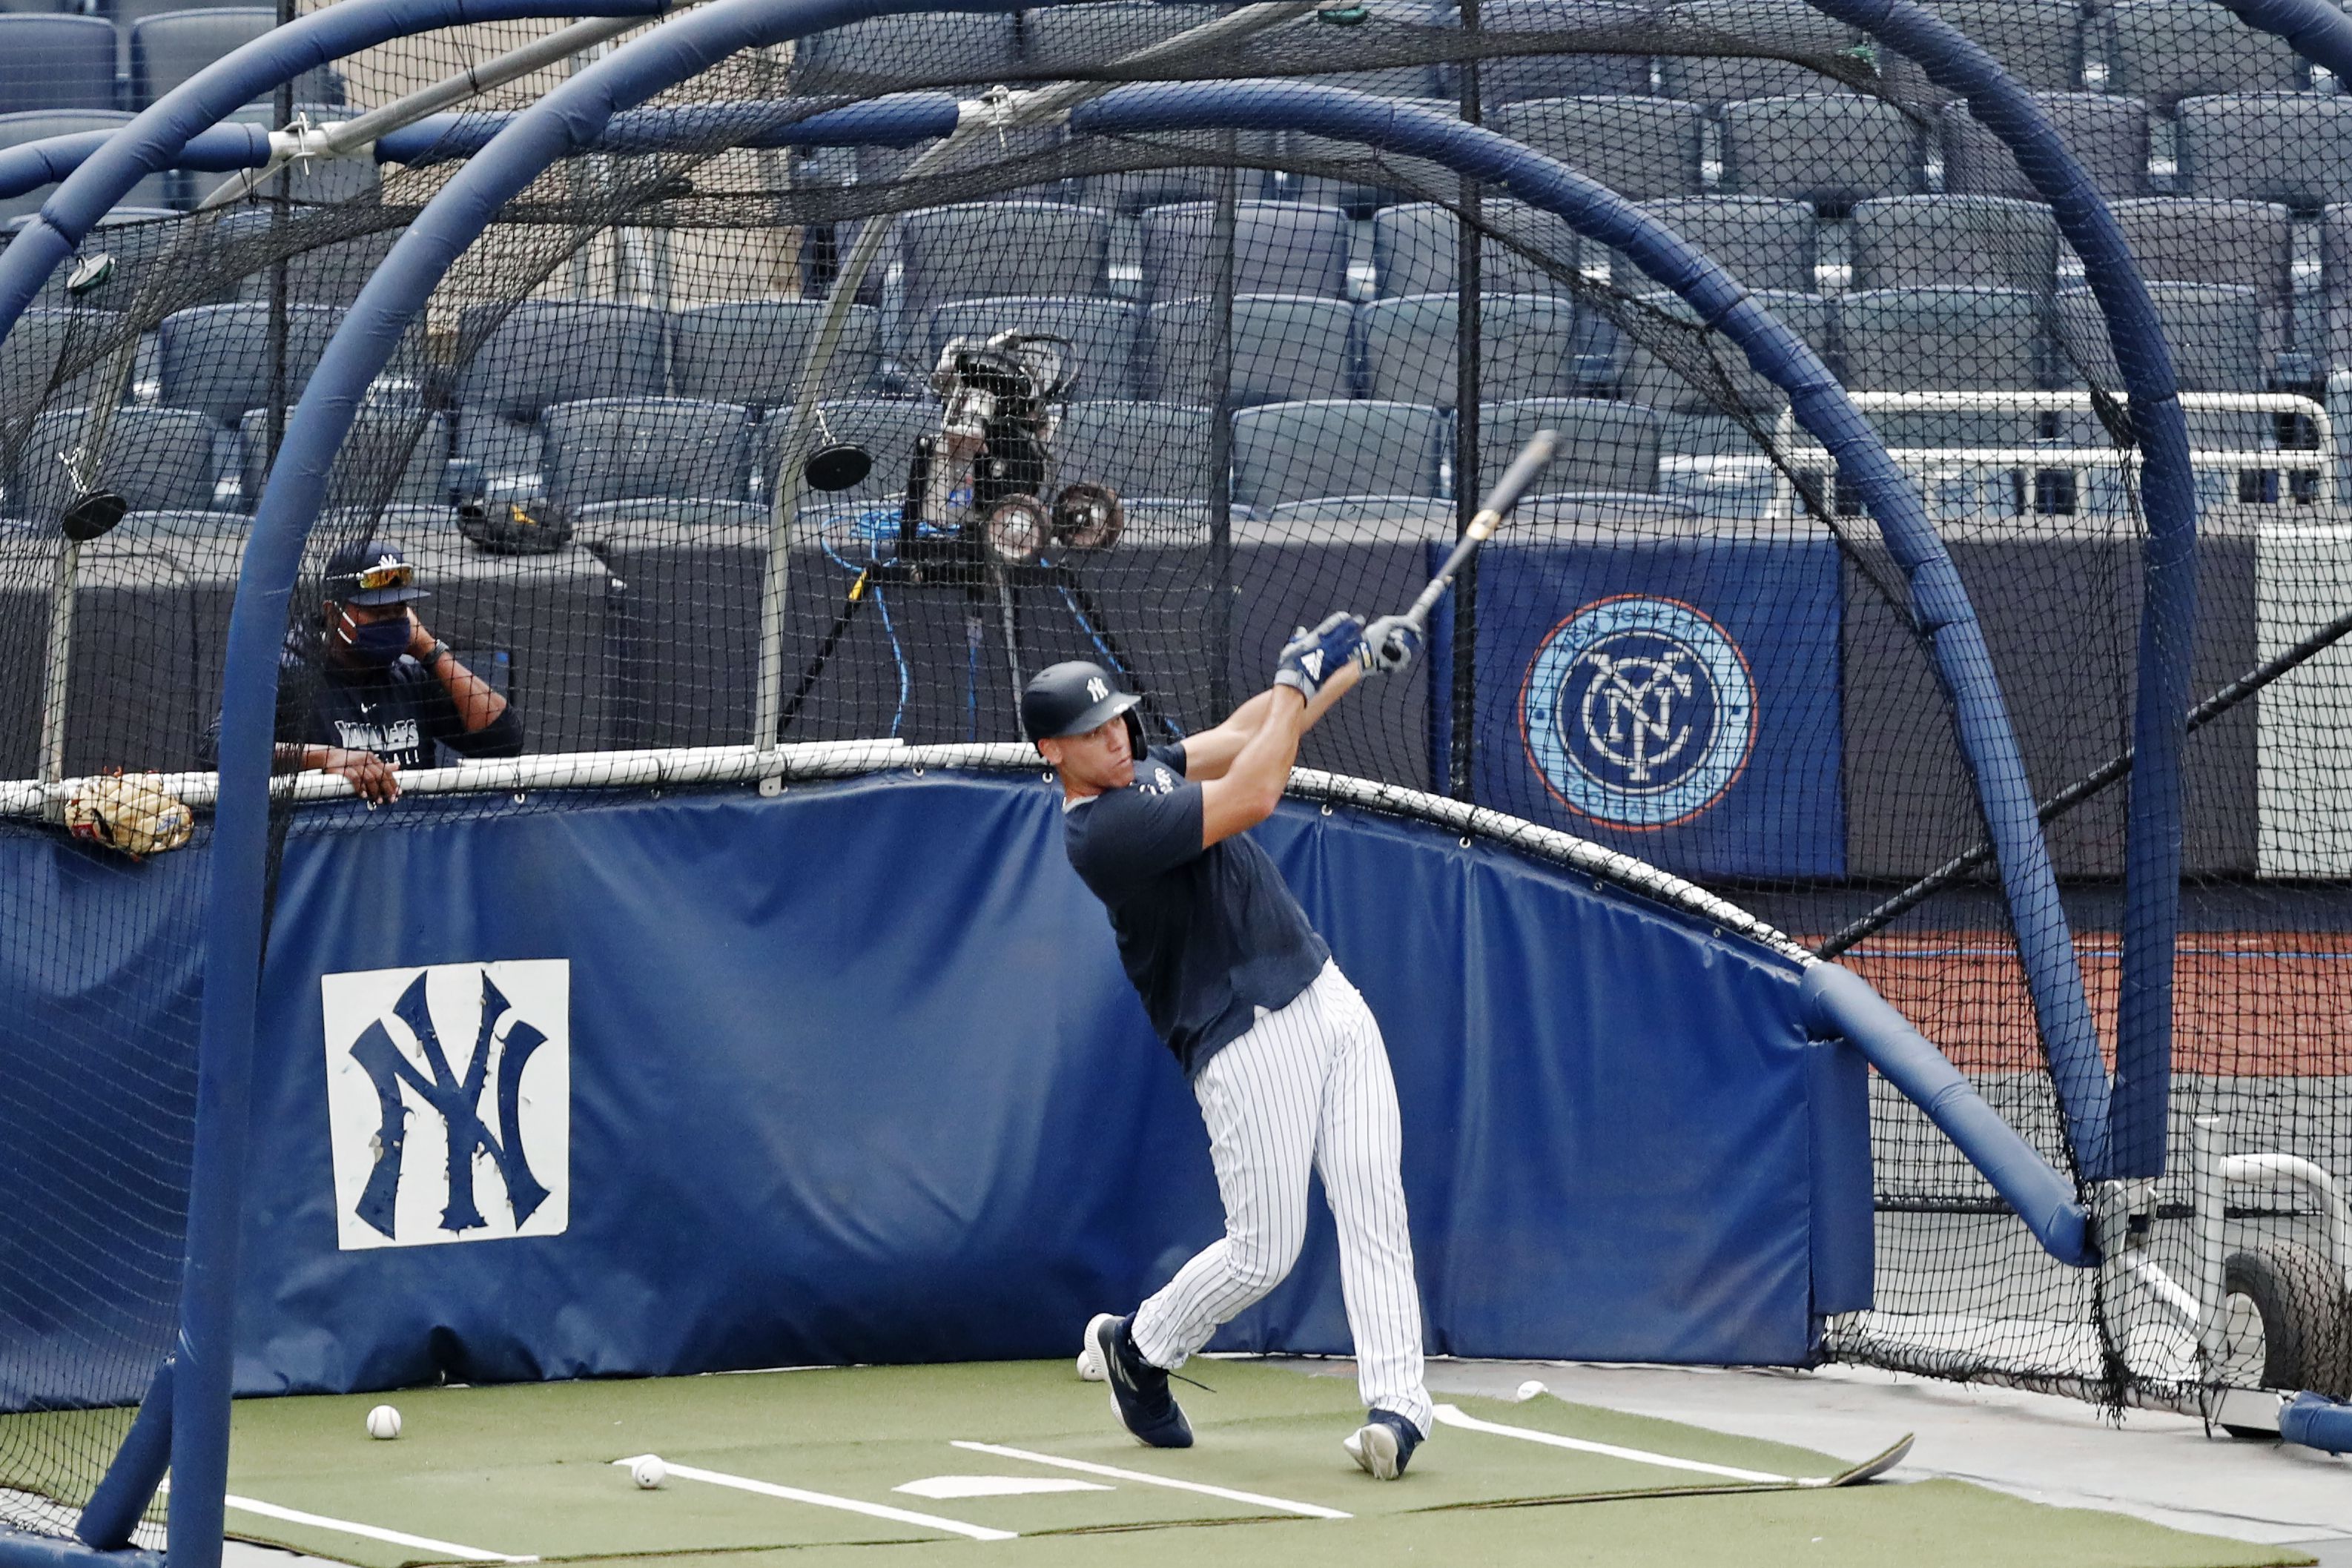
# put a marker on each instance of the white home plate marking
(995, 1486)
(1455, 1416)
(1259, 1500)
(826, 1499)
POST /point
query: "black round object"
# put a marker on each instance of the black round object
(1088, 516)
(1017, 529)
(506, 528)
(838, 466)
(2301, 1302)
(1072, 698)
(92, 515)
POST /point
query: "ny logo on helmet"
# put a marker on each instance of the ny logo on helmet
(430, 1150)
(1098, 688)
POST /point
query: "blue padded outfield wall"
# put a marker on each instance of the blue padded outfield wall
(852, 1074)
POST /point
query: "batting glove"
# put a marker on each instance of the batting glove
(1310, 658)
(1390, 644)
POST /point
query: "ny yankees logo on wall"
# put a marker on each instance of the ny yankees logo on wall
(1638, 710)
(448, 1100)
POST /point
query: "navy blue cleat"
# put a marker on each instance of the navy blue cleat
(1383, 1444)
(1139, 1390)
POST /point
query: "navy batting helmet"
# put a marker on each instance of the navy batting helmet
(1076, 698)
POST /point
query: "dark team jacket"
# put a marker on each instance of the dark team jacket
(1211, 938)
(401, 713)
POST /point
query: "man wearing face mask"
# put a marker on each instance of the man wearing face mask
(369, 691)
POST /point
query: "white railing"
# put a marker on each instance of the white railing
(1800, 450)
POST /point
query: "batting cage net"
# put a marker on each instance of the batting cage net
(722, 439)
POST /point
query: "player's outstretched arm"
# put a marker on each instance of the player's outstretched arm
(1315, 666)
(1211, 753)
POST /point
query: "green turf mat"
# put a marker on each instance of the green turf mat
(527, 1470)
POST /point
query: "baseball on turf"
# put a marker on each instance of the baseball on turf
(383, 1423)
(1529, 1390)
(648, 1472)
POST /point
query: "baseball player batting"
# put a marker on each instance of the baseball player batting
(1284, 1057)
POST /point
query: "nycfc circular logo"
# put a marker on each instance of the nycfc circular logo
(1638, 710)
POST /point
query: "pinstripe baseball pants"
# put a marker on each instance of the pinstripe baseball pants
(1307, 1087)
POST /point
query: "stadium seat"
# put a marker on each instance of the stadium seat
(1286, 348)
(1582, 510)
(933, 49)
(216, 357)
(1279, 247)
(56, 62)
(1100, 351)
(1605, 445)
(1328, 519)
(1417, 249)
(988, 250)
(2183, 239)
(1530, 345)
(2214, 330)
(170, 46)
(1640, 148)
(1136, 191)
(158, 459)
(886, 427)
(1785, 26)
(2038, 42)
(543, 351)
(155, 192)
(1138, 449)
(621, 449)
(30, 355)
(409, 444)
(1389, 177)
(691, 512)
(1298, 451)
(1514, 78)
(1064, 40)
(1823, 148)
(332, 274)
(2166, 50)
(2108, 136)
(2336, 283)
(1763, 241)
(1947, 339)
(1652, 381)
(2268, 147)
(752, 352)
(1993, 242)
(39, 7)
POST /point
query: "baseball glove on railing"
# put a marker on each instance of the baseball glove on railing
(130, 814)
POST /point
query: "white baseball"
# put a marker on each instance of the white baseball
(648, 1472)
(1529, 1390)
(383, 1423)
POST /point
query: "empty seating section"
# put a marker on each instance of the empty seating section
(1279, 247)
(56, 62)
(1100, 334)
(1511, 78)
(393, 456)
(1530, 345)
(998, 249)
(2268, 147)
(33, 358)
(1417, 249)
(2038, 42)
(941, 48)
(1139, 449)
(1638, 146)
(1826, 149)
(161, 459)
(1765, 242)
(1286, 348)
(1661, 382)
(1299, 451)
(616, 449)
(1785, 27)
(886, 427)
(2108, 136)
(219, 360)
(2183, 239)
(1991, 241)
(2166, 50)
(752, 351)
(2214, 330)
(1078, 39)
(1950, 337)
(1605, 445)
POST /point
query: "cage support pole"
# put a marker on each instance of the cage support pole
(1469, 315)
(979, 120)
(2134, 1145)
(1223, 655)
(57, 669)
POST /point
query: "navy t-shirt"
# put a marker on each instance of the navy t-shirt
(402, 713)
(1210, 937)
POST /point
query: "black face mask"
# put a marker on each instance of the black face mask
(377, 644)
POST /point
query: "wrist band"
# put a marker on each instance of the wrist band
(433, 654)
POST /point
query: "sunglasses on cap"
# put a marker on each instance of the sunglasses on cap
(374, 578)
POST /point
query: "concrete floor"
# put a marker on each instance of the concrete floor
(2156, 1466)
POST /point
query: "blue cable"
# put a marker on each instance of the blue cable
(882, 608)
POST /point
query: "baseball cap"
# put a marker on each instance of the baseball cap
(372, 574)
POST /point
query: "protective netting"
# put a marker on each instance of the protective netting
(1156, 399)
